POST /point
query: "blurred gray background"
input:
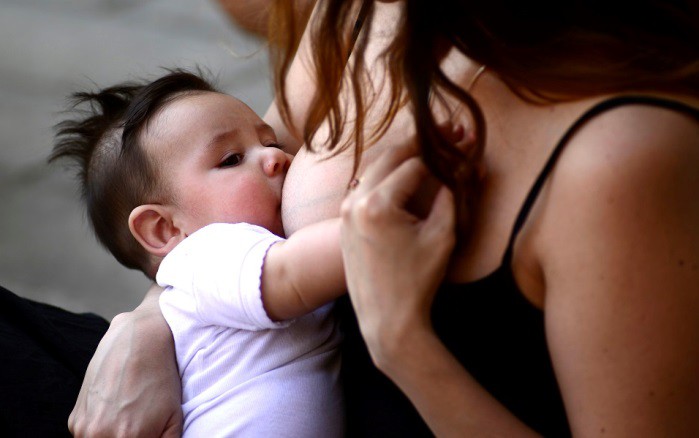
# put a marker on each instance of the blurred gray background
(50, 48)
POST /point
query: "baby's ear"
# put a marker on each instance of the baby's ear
(152, 226)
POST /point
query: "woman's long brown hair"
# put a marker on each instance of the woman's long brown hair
(545, 51)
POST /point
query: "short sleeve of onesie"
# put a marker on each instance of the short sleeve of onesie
(218, 270)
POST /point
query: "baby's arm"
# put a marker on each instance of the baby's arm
(304, 272)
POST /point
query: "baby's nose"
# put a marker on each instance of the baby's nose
(275, 161)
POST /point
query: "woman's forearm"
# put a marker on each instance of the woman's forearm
(450, 401)
(132, 386)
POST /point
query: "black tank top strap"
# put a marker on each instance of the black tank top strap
(550, 163)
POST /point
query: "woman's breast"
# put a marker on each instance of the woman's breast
(317, 182)
(314, 188)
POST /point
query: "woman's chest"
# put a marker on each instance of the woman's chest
(519, 145)
(494, 214)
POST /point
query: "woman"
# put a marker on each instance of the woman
(569, 302)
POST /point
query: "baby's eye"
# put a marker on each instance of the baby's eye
(275, 145)
(231, 160)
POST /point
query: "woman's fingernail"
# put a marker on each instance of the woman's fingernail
(458, 133)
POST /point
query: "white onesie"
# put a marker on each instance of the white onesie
(242, 373)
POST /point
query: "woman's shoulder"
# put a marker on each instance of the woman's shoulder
(632, 145)
(625, 176)
(627, 181)
(618, 245)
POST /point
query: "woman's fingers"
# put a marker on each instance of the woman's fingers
(441, 222)
(374, 202)
(400, 186)
(409, 189)
(395, 259)
(385, 164)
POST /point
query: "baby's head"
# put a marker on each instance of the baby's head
(159, 160)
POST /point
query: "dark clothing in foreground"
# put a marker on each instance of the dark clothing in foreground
(45, 352)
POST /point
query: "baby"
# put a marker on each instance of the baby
(184, 183)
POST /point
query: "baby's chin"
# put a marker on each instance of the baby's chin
(278, 228)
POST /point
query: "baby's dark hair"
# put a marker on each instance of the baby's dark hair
(115, 174)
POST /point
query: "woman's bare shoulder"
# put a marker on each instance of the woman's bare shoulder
(631, 147)
(619, 250)
(631, 163)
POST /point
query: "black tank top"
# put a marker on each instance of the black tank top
(488, 325)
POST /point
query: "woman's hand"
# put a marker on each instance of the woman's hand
(132, 386)
(394, 260)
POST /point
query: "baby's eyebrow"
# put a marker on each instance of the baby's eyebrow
(221, 137)
(267, 128)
